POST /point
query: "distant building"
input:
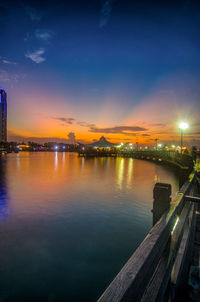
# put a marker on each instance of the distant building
(102, 143)
(3, 116)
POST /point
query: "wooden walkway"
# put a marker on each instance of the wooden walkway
(190, 291)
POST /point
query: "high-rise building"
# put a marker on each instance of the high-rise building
(3, 116)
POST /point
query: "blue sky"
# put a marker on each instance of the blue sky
(109, 63)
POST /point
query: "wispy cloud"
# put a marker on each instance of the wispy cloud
(126, 130)
(33, 14)
(8, 62)
(85, 124)
(68, 120)
(71, 120)
(4, 76)
(106, 10)
(158, 125)
(44, 35)
(11, 77)
(36, 56)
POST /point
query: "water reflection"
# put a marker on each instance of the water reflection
(3, 191)
(120, 171)
(63, 159)
(56, 160)
(73, 222)
(130, 172)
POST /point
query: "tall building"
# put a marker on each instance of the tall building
(3, 116)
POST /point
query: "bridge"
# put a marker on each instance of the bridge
(183, 163)
(158, 270)
(182, 160)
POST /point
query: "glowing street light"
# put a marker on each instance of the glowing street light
(182, 126)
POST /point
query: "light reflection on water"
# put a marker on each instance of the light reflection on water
(68, 224)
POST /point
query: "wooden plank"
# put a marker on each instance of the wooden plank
(160, 279)
(178, 267)
(192, 198)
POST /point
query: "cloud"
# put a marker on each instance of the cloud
(36, 56)
(126, 130)
(10, 77)
(106, 10)
(70, 120)
(64, 119)
(8, 62)
(43, 35)
(4, 76)
(158, 125)
(85, 124)
(33, 14)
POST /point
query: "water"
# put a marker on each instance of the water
(68, 224)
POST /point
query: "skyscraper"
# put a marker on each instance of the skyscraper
(3, 116)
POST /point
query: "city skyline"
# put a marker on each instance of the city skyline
(127, 71)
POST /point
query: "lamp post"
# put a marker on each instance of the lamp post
(182, 127)
(156, 140)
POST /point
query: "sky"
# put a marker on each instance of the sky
(125, 69)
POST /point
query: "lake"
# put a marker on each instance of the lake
(69, 224)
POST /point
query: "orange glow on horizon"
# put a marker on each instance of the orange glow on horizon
(44, 118)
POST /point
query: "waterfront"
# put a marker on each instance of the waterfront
(68, 224)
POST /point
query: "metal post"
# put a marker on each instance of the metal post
(181, 141)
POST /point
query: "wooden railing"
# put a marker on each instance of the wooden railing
(158, 266)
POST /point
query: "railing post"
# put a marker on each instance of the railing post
(162, 197)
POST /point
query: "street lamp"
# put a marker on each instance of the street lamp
(182, 126)
(156, 140)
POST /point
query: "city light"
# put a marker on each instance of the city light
(183, 125)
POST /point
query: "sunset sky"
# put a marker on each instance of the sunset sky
(125, 69)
